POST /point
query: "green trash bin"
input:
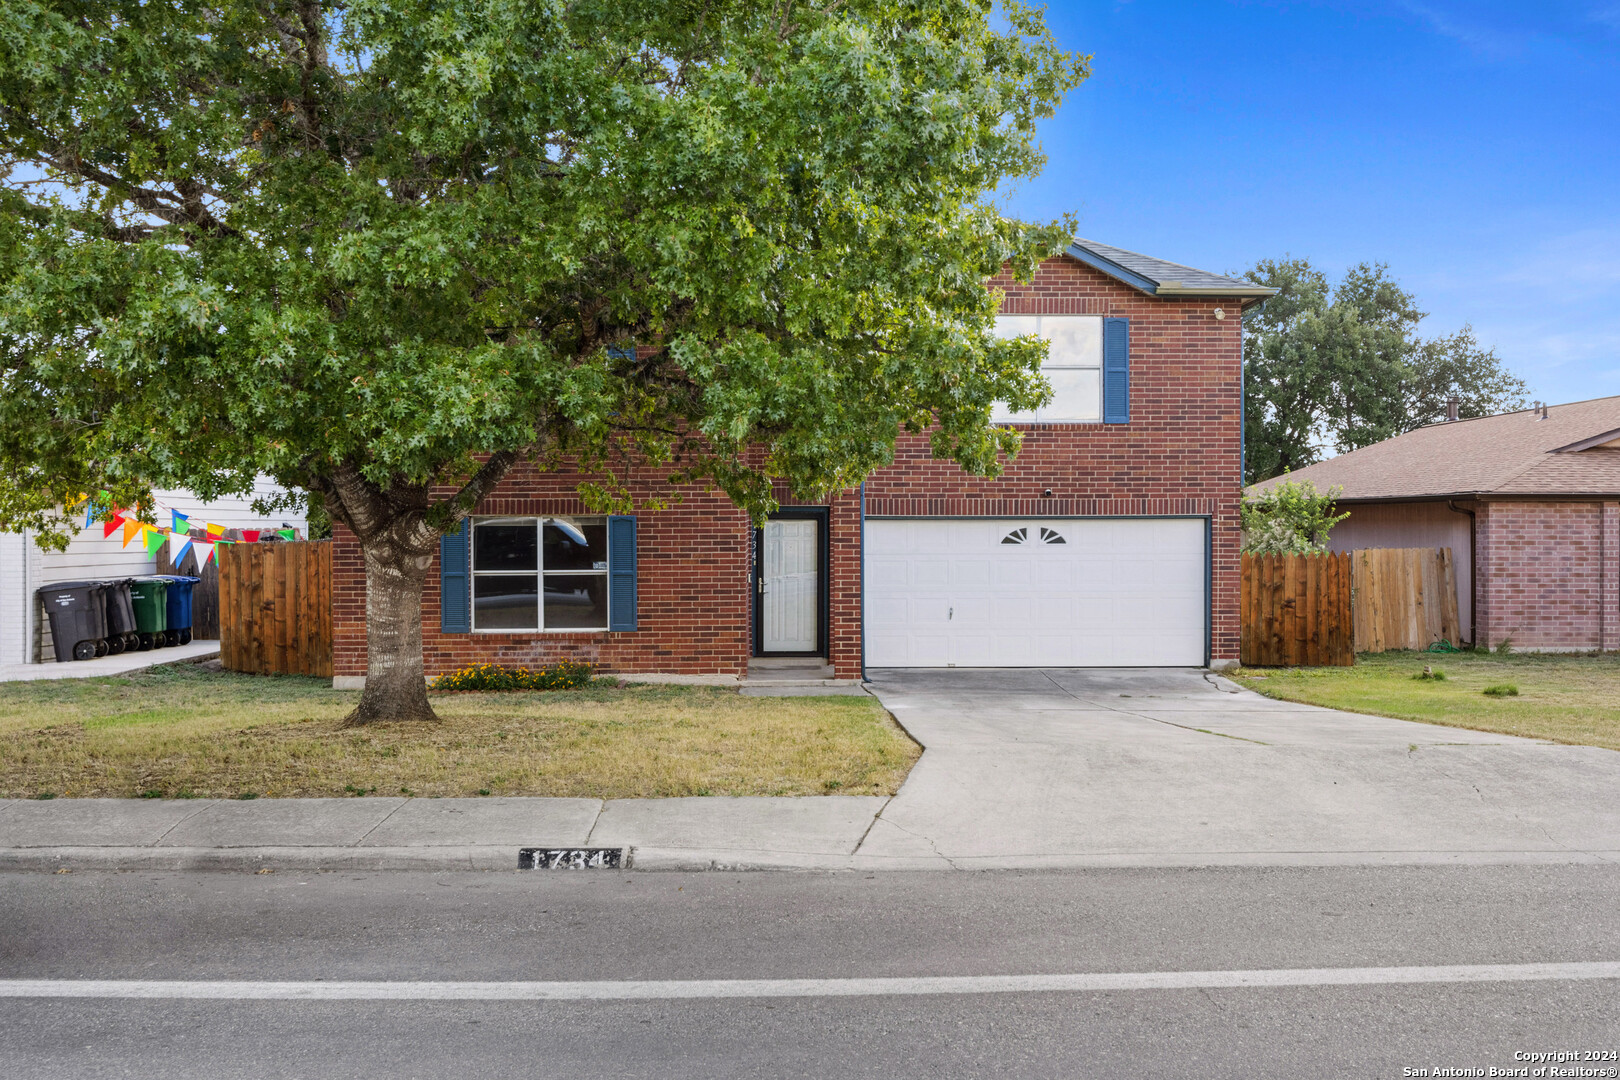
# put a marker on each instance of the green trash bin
(149, 597)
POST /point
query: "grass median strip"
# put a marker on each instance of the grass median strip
(182, 732)
(1558, 697)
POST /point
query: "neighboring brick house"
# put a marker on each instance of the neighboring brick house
(1111, 540)
(1529, 503)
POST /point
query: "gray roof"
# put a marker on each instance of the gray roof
(1156, 277)
(1574, 451)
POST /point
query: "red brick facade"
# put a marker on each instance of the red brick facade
(1549, 574)
(1179, 455)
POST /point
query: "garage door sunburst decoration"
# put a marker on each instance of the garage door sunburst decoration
(1051, 536)
(1017, 536)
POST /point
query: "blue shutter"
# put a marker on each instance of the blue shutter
(1116, 371)
(455, 585)
(621, 573)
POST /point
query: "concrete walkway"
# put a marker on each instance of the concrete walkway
(1023, 769)
(122, 664)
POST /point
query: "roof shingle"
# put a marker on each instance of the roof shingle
(1511, 453)
(1160, 278)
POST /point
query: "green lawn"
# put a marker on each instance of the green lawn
(1562, 698)
(182, 731)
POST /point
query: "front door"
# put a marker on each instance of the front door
(790, 586)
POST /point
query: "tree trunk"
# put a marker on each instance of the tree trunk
(396, 688)
(399, 545)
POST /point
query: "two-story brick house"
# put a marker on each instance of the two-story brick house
(1111, 540)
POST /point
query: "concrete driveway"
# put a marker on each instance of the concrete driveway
(1178, 767)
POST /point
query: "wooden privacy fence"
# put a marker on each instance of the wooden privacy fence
(1403, 598)
(1296, 611)
(275, 607)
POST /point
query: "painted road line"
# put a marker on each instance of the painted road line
(791, 988)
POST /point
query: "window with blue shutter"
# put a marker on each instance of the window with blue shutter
(621, 573)
(455, 587)
(1116, 371)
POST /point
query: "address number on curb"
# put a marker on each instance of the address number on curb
(571, 858)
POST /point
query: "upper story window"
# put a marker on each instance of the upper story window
(540, 574)
(1073, 367)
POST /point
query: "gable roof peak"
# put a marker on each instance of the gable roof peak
(1160, 277)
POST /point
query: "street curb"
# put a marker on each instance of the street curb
(258, 858)
(504, 857)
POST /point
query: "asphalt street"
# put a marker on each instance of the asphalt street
(456, 929)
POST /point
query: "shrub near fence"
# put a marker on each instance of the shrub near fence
(275, 607)
(1296, 611)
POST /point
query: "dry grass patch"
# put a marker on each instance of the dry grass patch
(185, 732)
(1561, 698)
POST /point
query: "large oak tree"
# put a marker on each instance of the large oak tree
(1332, 368)
(383, 248)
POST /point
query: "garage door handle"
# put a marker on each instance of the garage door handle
(950, 613)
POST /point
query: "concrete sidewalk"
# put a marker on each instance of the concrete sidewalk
(122, 664)
(408, 834)
(1022, 769)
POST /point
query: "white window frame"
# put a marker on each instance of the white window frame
(1058, 412)
(539, 574)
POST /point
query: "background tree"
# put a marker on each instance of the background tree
(378, 247)
(1328, 369)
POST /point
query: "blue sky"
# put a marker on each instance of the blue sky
(1474, 147)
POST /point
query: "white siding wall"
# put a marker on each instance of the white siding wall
(1409, 525)
(14, 618)
(24, 567)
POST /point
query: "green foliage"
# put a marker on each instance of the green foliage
(1501, 690)
(563, 676)
(1290, 518)
(1431, 674)
(1335, 368)
(364, 246)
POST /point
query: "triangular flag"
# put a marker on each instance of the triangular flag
(215, 531)
(154, 541)
(132, 529)
(203, 552)
(112, 526)
(179, 544)
(180, 525)
(250, 536)
(287, 534)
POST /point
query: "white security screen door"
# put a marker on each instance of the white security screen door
(790, 601)
(1053, 592)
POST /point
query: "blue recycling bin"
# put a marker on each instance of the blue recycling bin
(179, 608)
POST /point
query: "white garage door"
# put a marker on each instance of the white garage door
(1053, 592)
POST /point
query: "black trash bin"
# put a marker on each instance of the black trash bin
(122, 633)
(78, 614)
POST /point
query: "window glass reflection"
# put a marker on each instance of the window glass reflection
(505, 603)
(576, 601)
(505, 545)
(572, 544)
